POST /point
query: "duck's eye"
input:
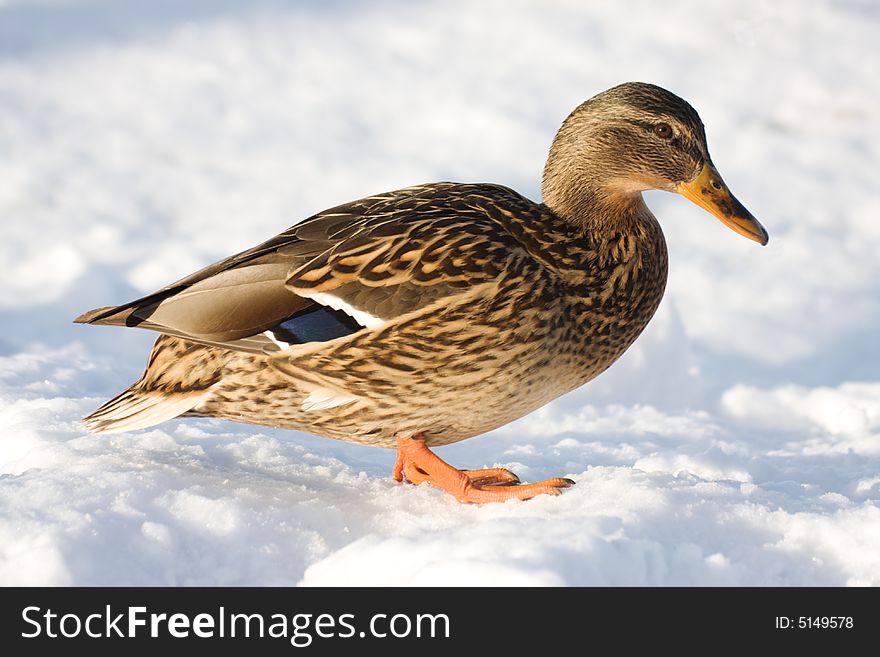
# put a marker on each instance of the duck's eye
(663, 130)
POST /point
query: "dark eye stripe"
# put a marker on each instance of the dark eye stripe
(681, 142)
(644, 125)
(649, 126)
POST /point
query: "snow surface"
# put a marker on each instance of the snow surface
(738, 442)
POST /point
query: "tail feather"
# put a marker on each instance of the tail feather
(138, 409)
(179, 376)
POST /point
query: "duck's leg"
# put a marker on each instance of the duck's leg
(420, 465)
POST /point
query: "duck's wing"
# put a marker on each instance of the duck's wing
(356, 266)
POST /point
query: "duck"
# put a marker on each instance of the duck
(428, 315)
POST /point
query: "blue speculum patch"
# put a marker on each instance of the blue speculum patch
(315, 324)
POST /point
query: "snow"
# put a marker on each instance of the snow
(737, 442)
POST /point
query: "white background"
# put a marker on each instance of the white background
(738, 442)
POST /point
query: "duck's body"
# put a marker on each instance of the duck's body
(545, 309)
(415, 318)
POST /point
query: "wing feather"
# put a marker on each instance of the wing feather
(374, 259)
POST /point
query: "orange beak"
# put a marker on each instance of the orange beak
(709, 192)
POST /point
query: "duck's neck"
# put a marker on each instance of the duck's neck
(608, 209)
(597, 200)
(617, 224)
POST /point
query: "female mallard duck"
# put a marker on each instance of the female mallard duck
(435, 313)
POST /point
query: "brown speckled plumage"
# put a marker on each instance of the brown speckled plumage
(474, 305)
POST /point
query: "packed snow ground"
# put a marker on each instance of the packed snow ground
(738, 442)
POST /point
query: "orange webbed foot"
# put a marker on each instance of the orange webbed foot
(420, 465)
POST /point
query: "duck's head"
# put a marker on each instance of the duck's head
(634, 137)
